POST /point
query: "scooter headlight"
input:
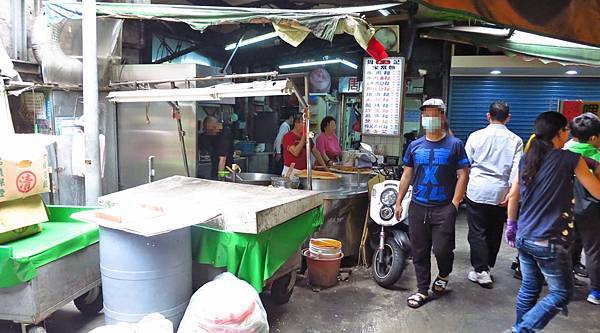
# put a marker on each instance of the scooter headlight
(386, 213)
(388, 197)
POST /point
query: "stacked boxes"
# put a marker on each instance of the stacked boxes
(23, 176)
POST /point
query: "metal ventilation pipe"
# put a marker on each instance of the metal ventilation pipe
(47, 51)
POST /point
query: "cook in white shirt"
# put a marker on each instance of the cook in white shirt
(283, 129)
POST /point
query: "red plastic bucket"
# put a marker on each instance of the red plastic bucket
(322, 272)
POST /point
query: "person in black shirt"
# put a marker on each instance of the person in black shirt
(224, 147)
(219, 140)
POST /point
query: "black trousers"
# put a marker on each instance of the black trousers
(576, 249)
(486, 224)
(588, 227)
(431, 228)
(277, 166)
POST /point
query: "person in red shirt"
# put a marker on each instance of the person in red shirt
(294, 147)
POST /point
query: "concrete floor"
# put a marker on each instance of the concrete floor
(360, 306)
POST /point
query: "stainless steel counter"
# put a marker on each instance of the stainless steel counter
(238, 207)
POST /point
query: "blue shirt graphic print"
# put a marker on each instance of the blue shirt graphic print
(434, 169)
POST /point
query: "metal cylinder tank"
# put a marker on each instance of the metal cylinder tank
(344, 214)
(143, 275)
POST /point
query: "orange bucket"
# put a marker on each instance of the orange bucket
(325, 247)
(322, 271)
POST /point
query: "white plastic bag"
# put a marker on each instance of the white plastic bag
(225, 305)
(152, 323)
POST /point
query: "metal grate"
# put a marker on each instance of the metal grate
(470, 98)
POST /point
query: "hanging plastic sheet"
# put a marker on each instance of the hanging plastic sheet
(293, 26)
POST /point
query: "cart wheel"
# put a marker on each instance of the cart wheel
(91, 302)
(36, 329)
(282, 288)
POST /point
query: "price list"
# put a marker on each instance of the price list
(382, 96)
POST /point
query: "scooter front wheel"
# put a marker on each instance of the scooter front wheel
(388, 264)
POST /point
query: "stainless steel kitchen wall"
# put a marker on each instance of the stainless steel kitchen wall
(148, 129)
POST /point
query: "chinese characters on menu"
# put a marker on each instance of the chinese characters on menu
(382, 96)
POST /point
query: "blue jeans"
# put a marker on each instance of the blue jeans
(551, 262)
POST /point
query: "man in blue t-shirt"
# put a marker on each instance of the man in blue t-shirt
(437, 167)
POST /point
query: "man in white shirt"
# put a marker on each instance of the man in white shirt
(285, 127)
(494, 153)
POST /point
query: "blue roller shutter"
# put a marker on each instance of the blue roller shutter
(470, 98)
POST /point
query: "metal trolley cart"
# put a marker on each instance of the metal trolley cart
(44, 272)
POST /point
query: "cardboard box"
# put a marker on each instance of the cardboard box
(20, 233)
(22, 213)
(20, 179)
(24, 166)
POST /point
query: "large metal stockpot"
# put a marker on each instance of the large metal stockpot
(283, 182)
(322, 184)
(344, 216)
(353, 180)
(253, 178)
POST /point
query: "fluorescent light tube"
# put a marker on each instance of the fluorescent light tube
(384, 12)
(213, 93)
(571, 72)
(495, 72)
(161, 95)
(252, 40)
(349, 64)
(321, 62)
(251, 89)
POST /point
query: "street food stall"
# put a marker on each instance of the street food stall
(253, 232)
(250, 231)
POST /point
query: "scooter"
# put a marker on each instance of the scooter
(388, 235)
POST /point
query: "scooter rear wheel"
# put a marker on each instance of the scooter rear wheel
(388, 265)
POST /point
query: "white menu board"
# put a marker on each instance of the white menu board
(382, 96)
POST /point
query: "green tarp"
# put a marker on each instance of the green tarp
(293, 26)
(539, 47)
(537, 44)
(251, 257)
(254, 258)
(19, 260)
(564, 19)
